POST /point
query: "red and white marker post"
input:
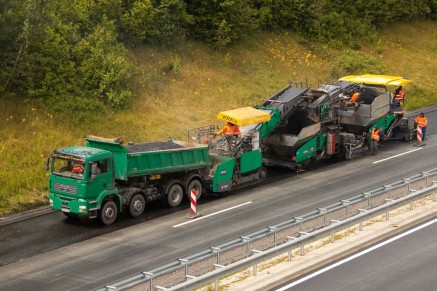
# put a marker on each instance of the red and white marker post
(419, 135)
(193, 200)
(193, 209)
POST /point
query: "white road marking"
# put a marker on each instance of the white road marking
(396, 156)
(356, 255)
(212, 214)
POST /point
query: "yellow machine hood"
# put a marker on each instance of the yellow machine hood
(244, 116)
(370, 79)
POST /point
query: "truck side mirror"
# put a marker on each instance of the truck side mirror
(47, 163)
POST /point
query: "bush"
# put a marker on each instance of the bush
(221, 22)
(174, 65)
(147, 21)
(355, 63)
(76, 110)
(69, 50)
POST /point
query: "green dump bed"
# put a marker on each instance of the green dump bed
(153, 158)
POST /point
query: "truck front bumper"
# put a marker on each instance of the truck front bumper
(69, 205)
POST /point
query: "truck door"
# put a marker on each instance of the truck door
(101, 178)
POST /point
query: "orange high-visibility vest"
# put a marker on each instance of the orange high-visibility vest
(421, 121)
(375, 135)
(230, 129)
(354, 97)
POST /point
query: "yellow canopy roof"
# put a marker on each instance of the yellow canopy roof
(244, 116)
(370, 79)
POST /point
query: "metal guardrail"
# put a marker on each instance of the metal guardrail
(211, 264)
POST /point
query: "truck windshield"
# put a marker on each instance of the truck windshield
(68, 168)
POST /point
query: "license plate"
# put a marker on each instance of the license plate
(65, 209)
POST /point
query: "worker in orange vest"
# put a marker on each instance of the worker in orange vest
(230, 129)
(374, 139)
(399, 96)
(422, 122)
(399, 93)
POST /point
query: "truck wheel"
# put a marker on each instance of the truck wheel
(194, 185)
(108, 213)
(175, 195)
(136, 205)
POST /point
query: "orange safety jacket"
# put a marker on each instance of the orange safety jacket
(400, 95)
(421, 121)
(354, 97)
(375, 135)
(229, 129)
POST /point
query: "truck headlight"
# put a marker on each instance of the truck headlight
(82, 208)
(51, 202)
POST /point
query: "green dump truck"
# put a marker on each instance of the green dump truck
(98, 179)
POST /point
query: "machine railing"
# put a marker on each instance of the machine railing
(211, 264)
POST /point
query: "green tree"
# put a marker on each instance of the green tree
(221, 22)
(148, 21)
(67, 53)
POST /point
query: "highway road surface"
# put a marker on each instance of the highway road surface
(405, 262)
(50, 252)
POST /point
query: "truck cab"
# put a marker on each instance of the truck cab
(81, 178)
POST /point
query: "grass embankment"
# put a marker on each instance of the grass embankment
(178, 89)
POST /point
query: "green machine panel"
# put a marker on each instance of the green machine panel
(250, 161)
(223, 173)
(309, 149)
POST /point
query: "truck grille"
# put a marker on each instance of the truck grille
(65, 188)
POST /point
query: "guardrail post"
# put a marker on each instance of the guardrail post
(274, 229)
(302, 245)
(325, 216)
(299, 220)
(368, 196)
(255, 266)
(216, 250)
(149, 276)
(290, 250)
(247, 241)
(426, 174)
(347, 203)
(361, 222)
(216, 283)
(387, 213)
(185, 263)
(332, 231)
(387, 187)
(408, 181)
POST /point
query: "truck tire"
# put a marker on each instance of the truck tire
(174, 195)
(108, 213)
(194, 185)
(137, 205)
